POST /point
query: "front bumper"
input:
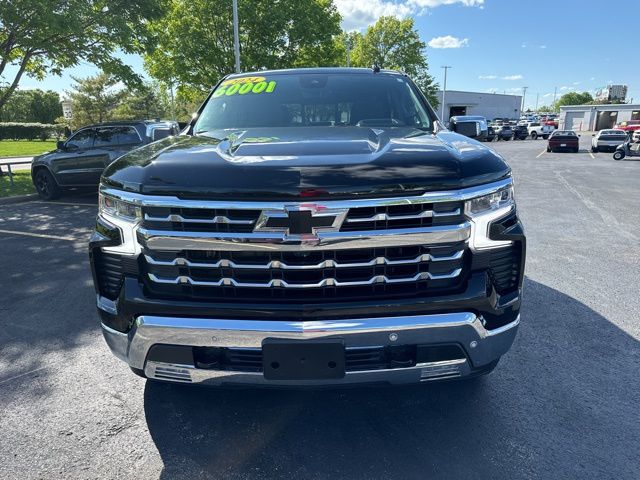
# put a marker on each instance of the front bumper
(481, 346)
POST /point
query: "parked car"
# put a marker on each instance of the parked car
(636, 136)
(80, 160)
(537, 130)
(608, 140)
(265, 247)
(520, 132)
(504, 132)
(566, 140)
(628, 126)
(473, 126)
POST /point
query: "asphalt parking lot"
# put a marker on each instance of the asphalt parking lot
(562, 404)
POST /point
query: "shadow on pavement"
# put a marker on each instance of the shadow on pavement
(568, 387)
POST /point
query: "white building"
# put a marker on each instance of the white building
(596, 117)
(489, 105)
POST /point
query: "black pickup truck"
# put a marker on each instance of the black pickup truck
(310, 227)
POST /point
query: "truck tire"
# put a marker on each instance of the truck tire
(534, 135)
(594, 149)
(46, 185)
(618, 155)
(545, 137)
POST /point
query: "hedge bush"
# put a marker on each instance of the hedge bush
(30, 131)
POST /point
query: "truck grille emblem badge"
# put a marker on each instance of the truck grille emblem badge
(301, 221)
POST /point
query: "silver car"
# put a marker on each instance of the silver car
(607, 140)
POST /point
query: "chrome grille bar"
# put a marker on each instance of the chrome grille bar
(169, 240)
(381, 217)
(327, 282)
(179, 218)
(275, 264)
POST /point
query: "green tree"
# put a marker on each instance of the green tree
(31, 106)
(194, 41)
(394, 43)
(94, 99)
(41, 37)
(574, 98)
(548, 108)
(142, 103)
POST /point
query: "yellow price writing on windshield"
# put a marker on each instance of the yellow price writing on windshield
(244, 86)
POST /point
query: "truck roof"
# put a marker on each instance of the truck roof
(316, 70)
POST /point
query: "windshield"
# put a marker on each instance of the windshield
(311, 99)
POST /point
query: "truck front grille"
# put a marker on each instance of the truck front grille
(361, 218)
(305, 276)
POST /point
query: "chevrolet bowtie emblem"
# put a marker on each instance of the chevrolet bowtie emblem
(302, 220)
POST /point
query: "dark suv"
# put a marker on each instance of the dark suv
(310, 227)
(80, 160)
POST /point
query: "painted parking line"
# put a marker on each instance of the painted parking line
(40, 235)
(592, 156)
(541, 153)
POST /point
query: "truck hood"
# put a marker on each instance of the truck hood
(319, 162)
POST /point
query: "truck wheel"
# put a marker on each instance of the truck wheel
(576, 150)
(534, 135)
(545, 137)
(548, 149)
(594, 149)
(618, 155)
(46, 185)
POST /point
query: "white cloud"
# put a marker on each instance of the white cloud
(564, 87)
(592, 78)
(357, 14)
(576, 83)
(506, 77)
(547, 95)
(543, 46)
(448, 41)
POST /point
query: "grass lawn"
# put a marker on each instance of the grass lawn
(25, 148)
(22, 183)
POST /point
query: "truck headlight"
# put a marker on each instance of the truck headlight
(494, 201)
(114, 207)
(124, 215)
(483, 211)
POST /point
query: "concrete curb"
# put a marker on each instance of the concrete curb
(18, 199)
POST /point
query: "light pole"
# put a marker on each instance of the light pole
(444, 90)
(236, 36)
(555, 91)
(524, 95)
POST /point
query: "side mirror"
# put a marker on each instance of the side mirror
(593, 134)
(60, 145)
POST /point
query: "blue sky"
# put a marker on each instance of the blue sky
(498, 45)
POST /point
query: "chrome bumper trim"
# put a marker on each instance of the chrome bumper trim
(481, 345)
(423, 372)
